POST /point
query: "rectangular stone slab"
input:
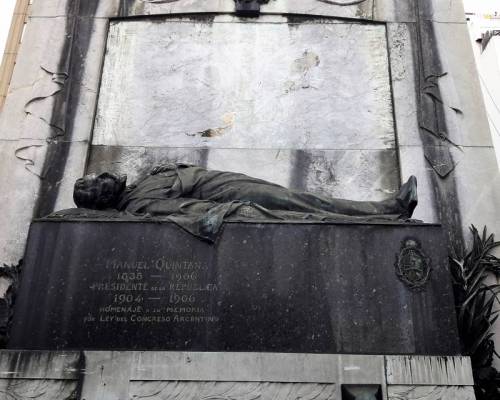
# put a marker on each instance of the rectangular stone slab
(278, 287)
(267, 83)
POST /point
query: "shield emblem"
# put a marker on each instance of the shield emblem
(413, 267)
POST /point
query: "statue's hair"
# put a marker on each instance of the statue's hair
(99, 192)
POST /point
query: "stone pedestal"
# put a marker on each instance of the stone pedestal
(188, 375)
(305, 288)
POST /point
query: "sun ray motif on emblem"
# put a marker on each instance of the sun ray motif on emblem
(413, 267)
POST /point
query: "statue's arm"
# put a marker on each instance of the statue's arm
(169, 167)
(181, 205)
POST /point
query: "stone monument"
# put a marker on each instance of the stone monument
(223, 295)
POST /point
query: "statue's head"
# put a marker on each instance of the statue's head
(99, 192)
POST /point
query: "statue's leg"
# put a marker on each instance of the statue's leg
(276, 198)
(402, 204)
(310, 202)
(279, 198)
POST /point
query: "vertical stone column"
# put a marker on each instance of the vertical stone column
(47, 120)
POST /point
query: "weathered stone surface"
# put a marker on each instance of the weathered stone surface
(124, 375)
(394, 11)
(106, 375)
(44, 389)
(460, 89)
(21, 164)
(404, 82)
(76, 153)
(257, 367)
(90, 8)
(478, 177)
(233, 390)
(361, 9)
(284, 93)
(40, 118)
(89, 49)
(348, 174)
(39, 375)
(336, 291)
(25, 365)
(445, 11)
(36, 86)
(420, 370)
(49, 8)
(431, 393)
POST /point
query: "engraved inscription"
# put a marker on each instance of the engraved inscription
(153, 291)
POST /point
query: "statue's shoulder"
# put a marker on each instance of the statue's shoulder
(170, 167)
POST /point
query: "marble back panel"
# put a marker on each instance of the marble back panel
(226, 83)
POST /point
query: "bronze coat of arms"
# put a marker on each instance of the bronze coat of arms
(413, 267)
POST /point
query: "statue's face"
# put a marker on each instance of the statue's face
(99, 192)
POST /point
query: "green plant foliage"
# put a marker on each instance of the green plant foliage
(475, 297)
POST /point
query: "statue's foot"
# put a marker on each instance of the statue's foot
(407, 197)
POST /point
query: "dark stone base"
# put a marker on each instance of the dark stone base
(277, 287)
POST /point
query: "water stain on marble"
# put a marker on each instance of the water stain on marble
(306, 62)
